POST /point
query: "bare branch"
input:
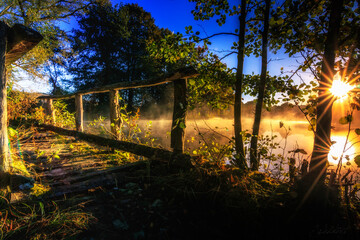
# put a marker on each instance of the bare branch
(219, 34)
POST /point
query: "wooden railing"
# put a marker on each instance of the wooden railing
(179, 78)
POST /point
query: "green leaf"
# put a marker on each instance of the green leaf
(357, 160)
(357, 131)
(42, 209)
(272, 22)
(12, 132)
(343, 120)
(248, 135)
(191, 82)
(182, 125)
(280, 21)
(300, 150)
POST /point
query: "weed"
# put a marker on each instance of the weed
(39, 190)
(38, 220)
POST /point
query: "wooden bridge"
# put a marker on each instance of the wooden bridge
(17, 40)
(179, 79)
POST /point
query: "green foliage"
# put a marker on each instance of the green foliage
(63, 118)
(274, 85)
(129, 128)
(110, 46)
(214, 85)
(21, 104)
(43, 16)
(39, 190)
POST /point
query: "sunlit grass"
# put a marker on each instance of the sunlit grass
(42, 221)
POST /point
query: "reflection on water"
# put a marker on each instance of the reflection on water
(221, 131)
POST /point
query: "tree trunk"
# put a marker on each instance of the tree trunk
(322, 142)
(254, 160)
(179, 116)
(4, 141)
(239, 145)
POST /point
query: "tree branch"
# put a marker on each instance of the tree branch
(218, 34)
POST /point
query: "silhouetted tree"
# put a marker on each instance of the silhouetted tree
(110, 47)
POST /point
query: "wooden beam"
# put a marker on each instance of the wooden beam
(188, 72)
(20, 40)
(4, 146)
(160, 154)
(79, 114)
(50, 110)
(115, 118)
(179, 116)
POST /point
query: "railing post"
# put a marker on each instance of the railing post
(4, 147)
(50, 110)
(115, 118)
(79, 113)
(179, 116)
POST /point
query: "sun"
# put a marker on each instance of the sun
(340, 89)
(337, 148)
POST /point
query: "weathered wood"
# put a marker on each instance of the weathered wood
(91, 175)
(115, 118)
(292, 170)
(79, 114)
(20, 40)
(50, 111)
(188, 72)
(4, 147)
(173, 158)
(179, 116)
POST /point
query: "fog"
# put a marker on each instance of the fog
(204, 127)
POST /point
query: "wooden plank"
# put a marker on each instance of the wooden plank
(179, 116)
(188, 72)
(79, 114)
(4, 147)
(20, 40)
(115, 117)
(96, 173)
(173, 158)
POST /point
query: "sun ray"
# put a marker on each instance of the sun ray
(337, 149)
(340, 89)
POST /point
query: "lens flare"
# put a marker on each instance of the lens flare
(340, 89)
(337, 149)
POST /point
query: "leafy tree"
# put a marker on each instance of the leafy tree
(110, 46)
(265, 15)
(253, 38)
(44, 17)
(324, 32)
(204, 10)
(213, 86)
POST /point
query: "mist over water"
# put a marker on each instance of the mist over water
(293, 135)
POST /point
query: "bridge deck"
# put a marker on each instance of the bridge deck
(66, 165)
